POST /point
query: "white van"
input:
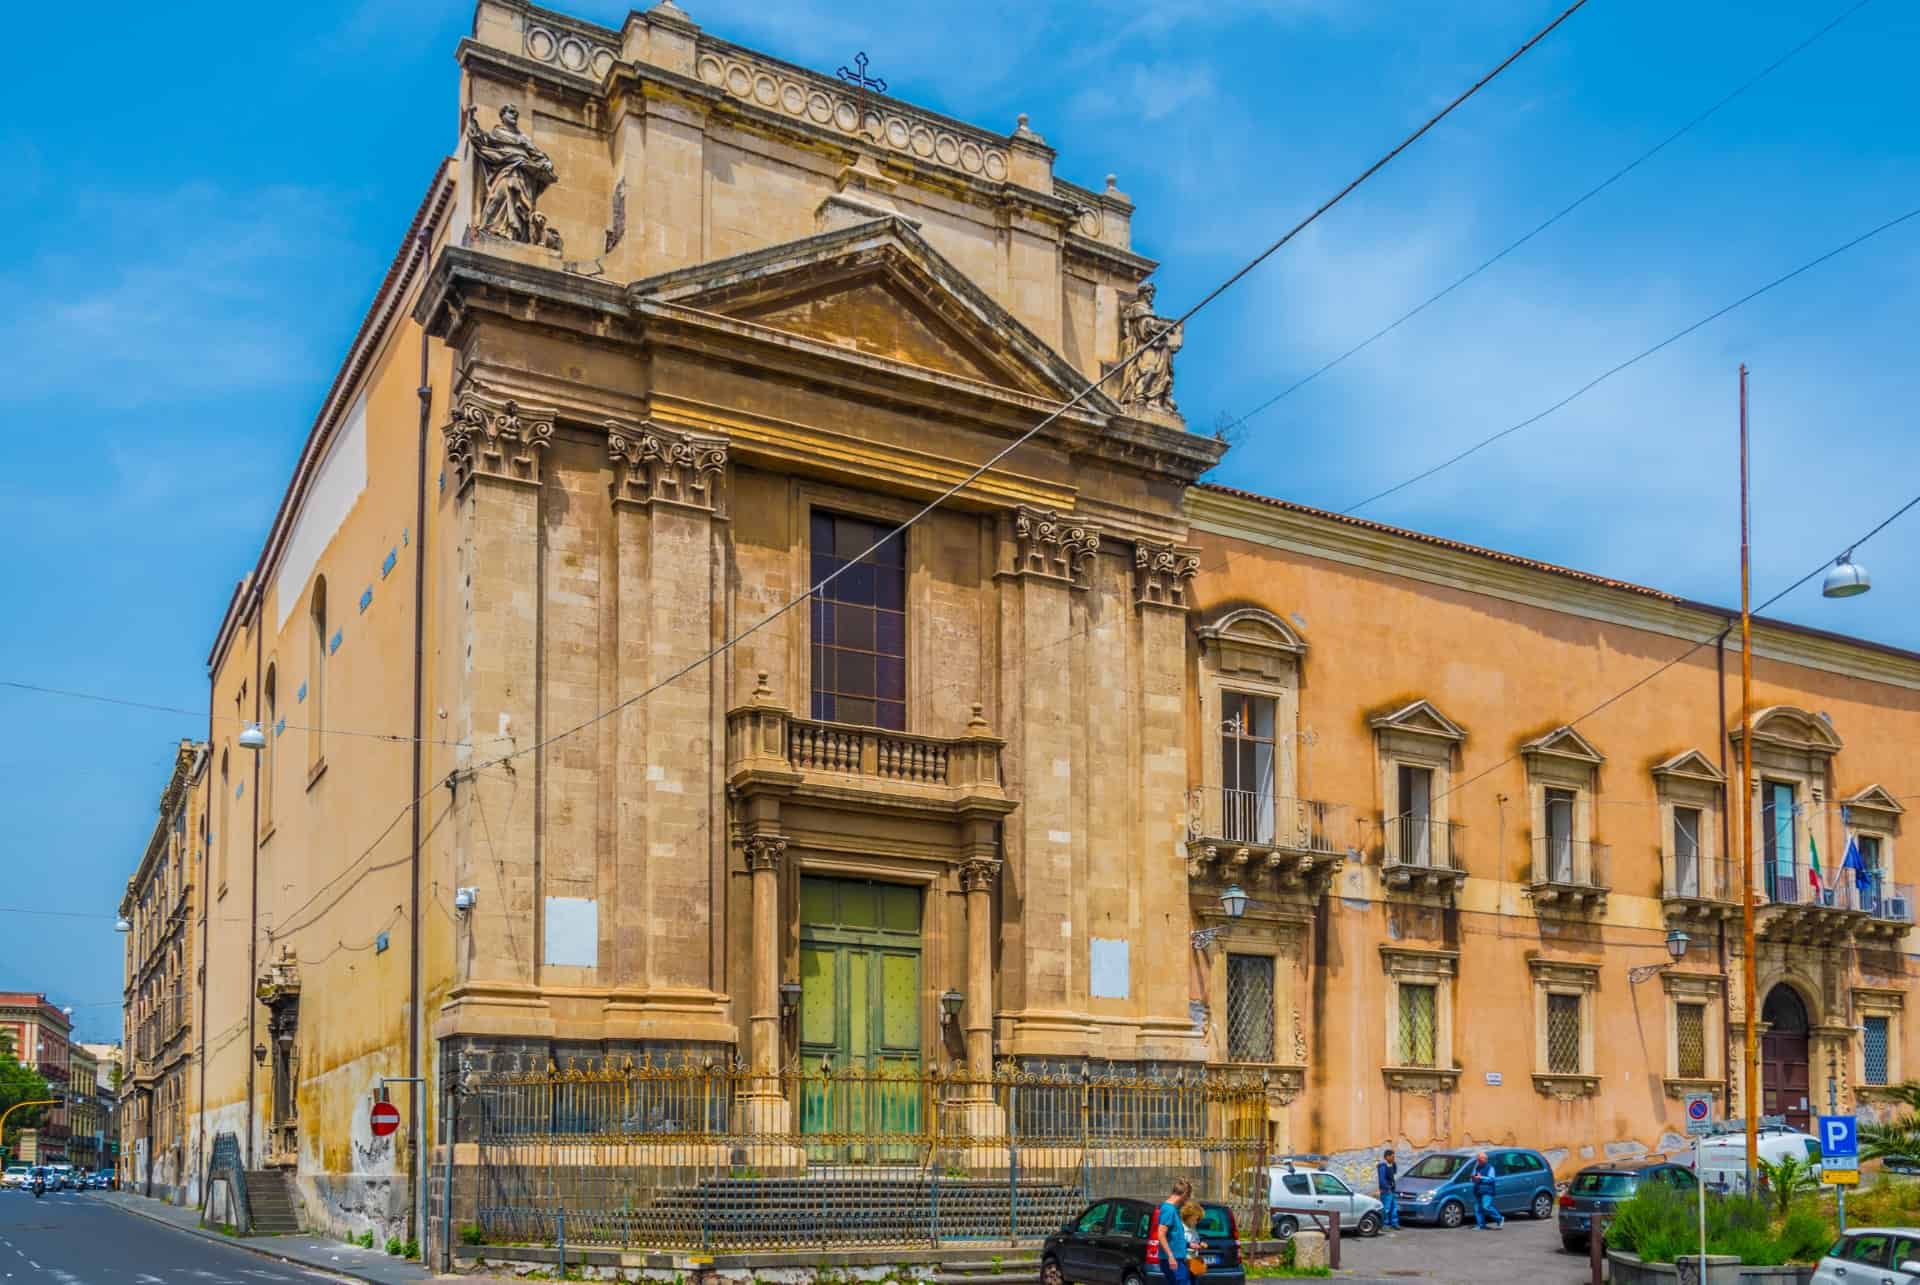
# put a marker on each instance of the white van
(1723, 1157)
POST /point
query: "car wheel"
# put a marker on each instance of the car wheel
(1369, 1224)
(1131, 1277)
(1543, 1206)
(1574, 1244)
(1452, 1214)
(1284, 1226)
(1050, 1273)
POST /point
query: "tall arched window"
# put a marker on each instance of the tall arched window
(316, 714)
(226, 793)
(270, 690)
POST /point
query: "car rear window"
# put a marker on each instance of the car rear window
(1213, 1223)
(1603, 1184)
(1436, 1167)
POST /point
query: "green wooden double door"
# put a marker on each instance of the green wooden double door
(860, 1011)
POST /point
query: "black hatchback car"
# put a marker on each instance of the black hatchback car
(1111, 1242)
(1599, 1189)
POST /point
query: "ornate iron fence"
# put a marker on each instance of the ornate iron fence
(689, 1154)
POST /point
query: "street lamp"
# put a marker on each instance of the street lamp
(252, 738)
(1234, 901)
(1677, 944)
(1845, 579)
(951, 1001)
(123, 925)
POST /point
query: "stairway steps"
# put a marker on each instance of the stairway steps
(270, 1204)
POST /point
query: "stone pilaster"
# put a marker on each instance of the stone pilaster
(764, 854)
(495, 447)
(977, 877)
(668, 835)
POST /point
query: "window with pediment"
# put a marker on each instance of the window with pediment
(1792, 750)
(1415, 745)
(1688, 788)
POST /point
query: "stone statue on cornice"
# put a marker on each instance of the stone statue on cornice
(513, 174)
(1147, 384)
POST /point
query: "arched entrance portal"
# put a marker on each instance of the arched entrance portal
(1783, 1057)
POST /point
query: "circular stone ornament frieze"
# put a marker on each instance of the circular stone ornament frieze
(711, 72)
(996, 166)
(573, 53)
(765, 91)
(896, 133)
(845, 117)
(970, 158)
(739, 81)
(947, 148)
(921, 140)
(792, 98)
(819, 108)
(539, 44)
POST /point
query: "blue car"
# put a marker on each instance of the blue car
(1438, 1188)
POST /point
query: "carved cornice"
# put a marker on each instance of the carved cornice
(1049, 544)
(1565, 1088)
(500, 440)
(655, 464)
(979, 876)
(765, 851)
(1162, 574)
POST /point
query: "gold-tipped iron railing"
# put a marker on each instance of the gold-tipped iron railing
(690, 1154)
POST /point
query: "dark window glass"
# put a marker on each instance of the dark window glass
(1213, 1223)
(1093, 1220)
(859, 623)
(1604, 1184)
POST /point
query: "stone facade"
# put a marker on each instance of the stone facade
(563, 759)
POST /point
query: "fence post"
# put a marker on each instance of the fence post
(1596, 1257)
(1086, 1132)
(560, 1234)
(1013, 1162)
(933, 1163)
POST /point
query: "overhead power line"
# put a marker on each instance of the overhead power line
(1564, 211)
(40, 690)
(1632, 361)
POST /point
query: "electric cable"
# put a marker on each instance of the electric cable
(41, 690)
(1579, 201)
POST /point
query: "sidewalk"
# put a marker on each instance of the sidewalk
(334, 1256)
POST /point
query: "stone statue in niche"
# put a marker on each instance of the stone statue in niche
(1147, 383)
(513, 174)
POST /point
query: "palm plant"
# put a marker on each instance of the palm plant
(1899, 1136)
(1786, 1178)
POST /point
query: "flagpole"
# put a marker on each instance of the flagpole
(1749, 1089)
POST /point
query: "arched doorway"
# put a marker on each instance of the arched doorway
(1783, 1057)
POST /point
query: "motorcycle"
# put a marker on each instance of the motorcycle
(39, 1188)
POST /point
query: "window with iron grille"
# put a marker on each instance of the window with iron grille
(1250, 1008)
(1875, 1042)
(1418, 1004)
(859, 623)
(1563, 1034)
(1690, 1040)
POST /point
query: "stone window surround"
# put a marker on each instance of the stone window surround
(1436, 968)
(1794, 747)
(1236, 658)
(1890, 1003)
(1695, 988)
(1564, 977)
(1873, 812)
(1282, 940)
(1689, 780)
(1564, 760)
(1417, 735)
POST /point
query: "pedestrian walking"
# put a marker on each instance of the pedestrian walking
(1387, 1175)
(1170, 1231)
(1483, 1209)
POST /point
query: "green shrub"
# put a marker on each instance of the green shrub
(411, 1249)
(1804, 1236)
(1652, 1223)
(393, 1246)
(470, 1234)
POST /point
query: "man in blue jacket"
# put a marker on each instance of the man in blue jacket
(1387, 1174)
(1483, 1209)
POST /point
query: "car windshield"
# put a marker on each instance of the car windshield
(1604, 1184)
(1440, 1166)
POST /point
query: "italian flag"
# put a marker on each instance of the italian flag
(1813, 865)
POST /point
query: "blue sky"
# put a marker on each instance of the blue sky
(196, 227)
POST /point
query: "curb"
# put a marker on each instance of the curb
(256, 1248)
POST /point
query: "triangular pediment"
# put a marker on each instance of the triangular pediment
(1420, 718)
(879, 290)
(1691, 764)
(1567, 743)
(1873, 799)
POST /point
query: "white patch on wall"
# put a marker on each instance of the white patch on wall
(1108, 973)
(1060, 836)
(573, 932)
(337, 483)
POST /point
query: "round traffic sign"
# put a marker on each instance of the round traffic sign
(385, 1118)
(1697, 1109)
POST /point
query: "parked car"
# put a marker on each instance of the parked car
(1599, 1189)
(15, 1175)
(61, 1175)
(1438, 1188)
(1723, 1157)
(1872, 1256)
(103, 1179)
(1111, 1242)
(1306, 1186)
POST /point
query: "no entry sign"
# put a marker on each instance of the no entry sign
(385, 1118)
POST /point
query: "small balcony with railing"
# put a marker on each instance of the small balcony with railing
(1570, 876)
(1240, 835)
(1697, 891)
(1796, 904)
(1422, 855)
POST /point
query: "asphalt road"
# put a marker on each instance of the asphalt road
(70, 1238)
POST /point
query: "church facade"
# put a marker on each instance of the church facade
(602, 715)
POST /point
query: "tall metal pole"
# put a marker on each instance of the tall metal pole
(1749, 1089)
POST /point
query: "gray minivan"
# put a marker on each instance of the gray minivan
(1438, 1187)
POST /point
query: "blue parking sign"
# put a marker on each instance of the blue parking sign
(1838, 1136)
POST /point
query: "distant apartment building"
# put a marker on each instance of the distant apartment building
(41, 1032)
(158, 909)
(109, 1061)
(86, 1122)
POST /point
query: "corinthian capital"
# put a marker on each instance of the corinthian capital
(501, 439)
(1161, 574)
(656, 464)
(1048, 544)
(979, 876)
(764, 851)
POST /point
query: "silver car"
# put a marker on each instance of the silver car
(1297, 1186)
(1872, 1256)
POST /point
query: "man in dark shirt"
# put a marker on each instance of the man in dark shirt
(1386, 1174)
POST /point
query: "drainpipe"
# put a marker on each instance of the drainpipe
(1726, 855)
(416, 1026)
(253, 892)
(206, 940)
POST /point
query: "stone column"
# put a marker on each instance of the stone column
(764, 852)
(495, 447)
(977, 877)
